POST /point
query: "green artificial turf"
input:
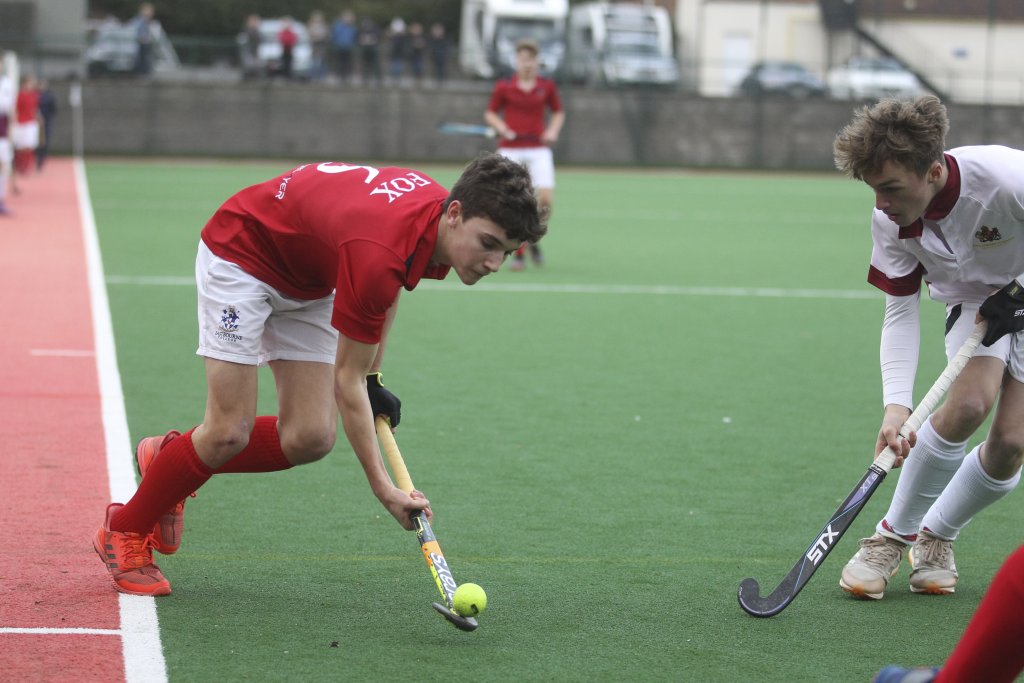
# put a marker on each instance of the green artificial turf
(608, 463)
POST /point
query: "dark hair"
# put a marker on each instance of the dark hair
(499, 189)
(911, 133)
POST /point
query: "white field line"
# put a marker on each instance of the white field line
(140, 632)
(537, 288)
(63, 353)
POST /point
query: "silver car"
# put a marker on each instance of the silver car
(872, 78)
(113, 50)
(636, 60)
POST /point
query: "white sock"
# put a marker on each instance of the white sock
(924, 475)
(969, 492)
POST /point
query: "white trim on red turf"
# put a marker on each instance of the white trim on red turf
(42, 631)
(140, 631)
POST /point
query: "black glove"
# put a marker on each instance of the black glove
(1004, 311)
(382, 401)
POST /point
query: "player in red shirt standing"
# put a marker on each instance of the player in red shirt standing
(303, 272)
(26, 127)
(517, 110)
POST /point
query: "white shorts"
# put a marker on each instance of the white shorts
(1008, 348)
(538, 160)
(244, 320)
(25, 135)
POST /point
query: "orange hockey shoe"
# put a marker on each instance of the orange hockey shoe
(168, 529)
(129, 559)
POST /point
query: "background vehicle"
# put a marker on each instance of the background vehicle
(619, 43)
(113, 49)
(268, 56)
(788, 79)
(871, 78)
(491, 29)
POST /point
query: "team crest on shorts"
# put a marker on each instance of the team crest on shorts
(229, 319)
(229, 325)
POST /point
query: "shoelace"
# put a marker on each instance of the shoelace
(937, 552)
(877, 553)
(135, 551)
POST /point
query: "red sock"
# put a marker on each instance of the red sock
(23, 160)
(990, 649)
(175, 473)
(262, 454)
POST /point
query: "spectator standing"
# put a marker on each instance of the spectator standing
(144, 26)
(47, 111)
(369, 50)
(398, 52)
(437, 46)
(344, 35)
(417, 51)
(252, 64)
(320, 40)
(288, 40)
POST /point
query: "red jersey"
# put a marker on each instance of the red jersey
(524, 111)
(361, 231)
(27, 106)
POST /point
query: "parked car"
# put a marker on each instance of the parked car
(788, 79)
(113, 50)
(268, 53)
(871, 78)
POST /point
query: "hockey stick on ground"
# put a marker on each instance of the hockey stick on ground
(428, 542)
(750, 597)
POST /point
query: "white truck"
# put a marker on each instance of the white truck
(491, 28)
(616, 43)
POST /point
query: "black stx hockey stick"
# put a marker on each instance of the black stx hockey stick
(750, 597)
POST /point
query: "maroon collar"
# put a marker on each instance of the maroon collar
(419, 264)
(941, 204)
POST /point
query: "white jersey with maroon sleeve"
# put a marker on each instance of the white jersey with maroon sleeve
(969, 242)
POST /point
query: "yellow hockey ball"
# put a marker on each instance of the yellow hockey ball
(469, 600)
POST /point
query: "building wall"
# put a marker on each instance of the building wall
(734, 35)
(62, 19)
(972, 60)
(970, 57)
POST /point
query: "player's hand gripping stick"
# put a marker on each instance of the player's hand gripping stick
(424, 533)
